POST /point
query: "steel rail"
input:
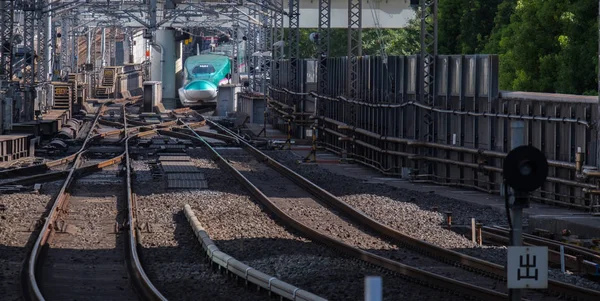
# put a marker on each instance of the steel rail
(143, 285)
(32, 288)
(553, 244)
(413, 273)
(577, 259)
(433, 250)
(44, 167)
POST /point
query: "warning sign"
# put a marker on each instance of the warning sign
(527, 267)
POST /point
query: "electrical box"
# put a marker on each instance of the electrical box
(227, 99)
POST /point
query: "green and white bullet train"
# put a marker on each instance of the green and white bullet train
(204, 73)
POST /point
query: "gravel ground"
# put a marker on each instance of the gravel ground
(88, 250)
(17, 217)
(240, 227)
(410, 212)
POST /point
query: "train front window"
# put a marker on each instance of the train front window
(203, 69)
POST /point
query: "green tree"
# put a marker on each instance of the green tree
(548, 46)
(464, 27)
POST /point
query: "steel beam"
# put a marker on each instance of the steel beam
(64, 44)
(251, 35)
(323, 48)
(428, 15)
(294, 45)
(6, 33)
(74, 47)
(354, 52)
(54, 54)
(47, 40)
(266, 42)
(29, 30)
(596, 199)
(278, 37)
(42, 44)
(429, 39)
(235, 76)
(323, 43)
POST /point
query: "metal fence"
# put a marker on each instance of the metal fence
(384, 127)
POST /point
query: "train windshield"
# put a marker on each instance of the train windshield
(203, 69)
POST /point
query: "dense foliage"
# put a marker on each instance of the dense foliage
(544, 45)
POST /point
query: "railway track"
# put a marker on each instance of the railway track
(57, 169)
(307, 214)
(87, 237)
(467, 262)
(577, 259)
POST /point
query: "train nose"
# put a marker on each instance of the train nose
(200, 90)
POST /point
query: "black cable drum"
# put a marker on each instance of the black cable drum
(525, 168)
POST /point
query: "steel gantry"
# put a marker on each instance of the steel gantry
(251, 36)
(278, 40)
(74, 45)
(6, 39)
(65, 25)
(429, 51)
(323, 42)
(354, 53)
(265, 46)
(44, 43)
(294, 45)
(29, 31)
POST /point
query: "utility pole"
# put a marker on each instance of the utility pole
(294, 46)
(596, 207)
(429, 52)
(29, 10)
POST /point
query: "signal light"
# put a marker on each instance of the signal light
(147, 53)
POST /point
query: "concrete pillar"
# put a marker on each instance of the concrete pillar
(163, 57)
(88, 58)
(126, 48)
(103, 47)
(49, 45)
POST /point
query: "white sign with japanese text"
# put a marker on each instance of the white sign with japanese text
(527, 267)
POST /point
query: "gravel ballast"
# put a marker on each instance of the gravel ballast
(18, 215)
(411, 212)
(241, 228)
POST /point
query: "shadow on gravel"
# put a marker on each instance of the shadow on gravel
(181, 271)
(13, 257)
